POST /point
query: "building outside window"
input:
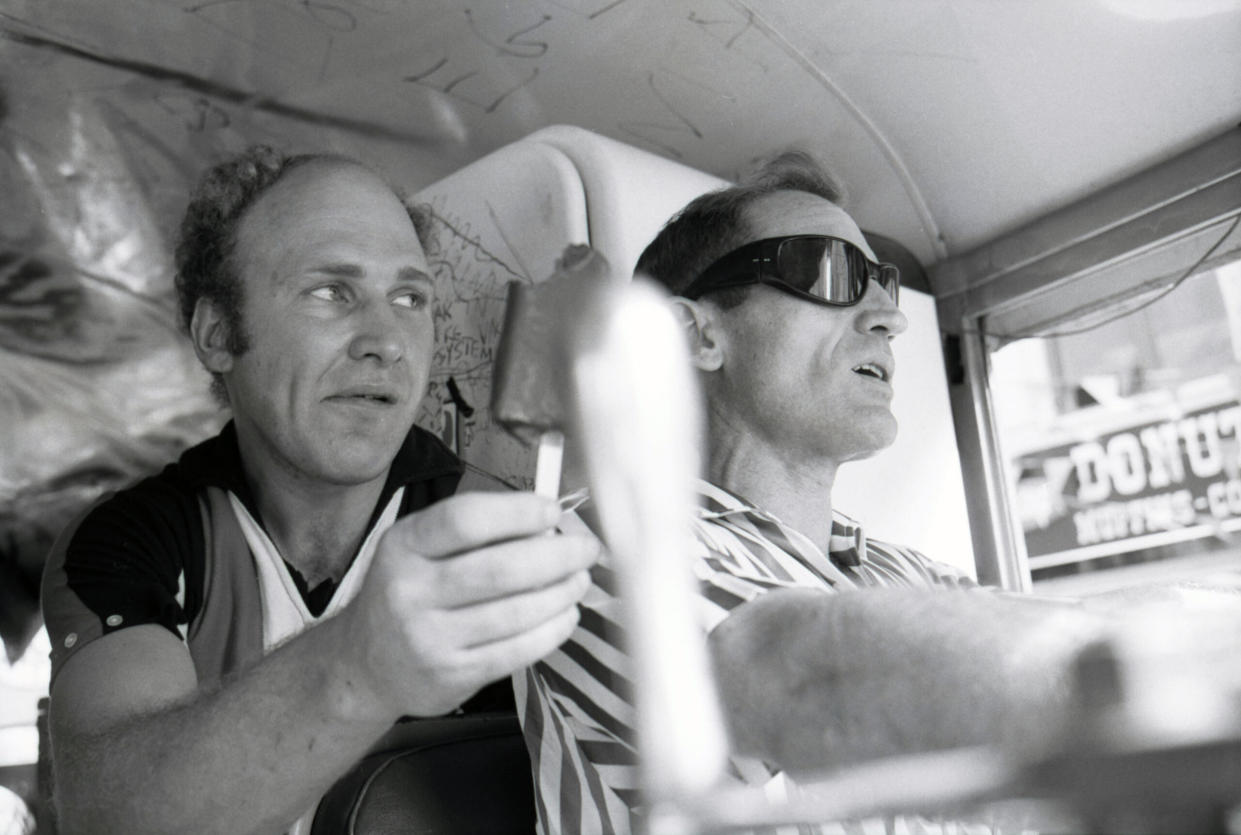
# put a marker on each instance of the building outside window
(1122, 438)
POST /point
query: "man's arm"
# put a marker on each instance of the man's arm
(138, 748)
(811, 680)
(459, 595)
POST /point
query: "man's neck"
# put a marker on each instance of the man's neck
(798, 493)
(316, 527)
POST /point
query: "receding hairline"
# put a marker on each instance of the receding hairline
(317, 165)
(304, 166)
(311, 165)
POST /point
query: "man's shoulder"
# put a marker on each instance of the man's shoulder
(915, 565)
(134, 556)
(874, 545)
(423, 455)
(426, 468)
(165, 497)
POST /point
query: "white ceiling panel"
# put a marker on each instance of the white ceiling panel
(950, 121)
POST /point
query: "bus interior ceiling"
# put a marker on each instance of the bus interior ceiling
(951, 124)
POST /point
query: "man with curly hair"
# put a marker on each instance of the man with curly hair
(233, 633)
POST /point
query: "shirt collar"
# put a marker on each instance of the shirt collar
(846, 543)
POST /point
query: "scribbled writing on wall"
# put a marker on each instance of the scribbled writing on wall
(470, 289)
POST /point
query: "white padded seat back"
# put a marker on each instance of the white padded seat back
(630, 193)
(509, 215)
(505, 217)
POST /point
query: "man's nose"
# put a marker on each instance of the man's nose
(378, 334)
(877, 312)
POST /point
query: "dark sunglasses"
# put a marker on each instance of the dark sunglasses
(818, 268)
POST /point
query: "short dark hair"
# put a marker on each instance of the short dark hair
(714, 224)
(207, 241)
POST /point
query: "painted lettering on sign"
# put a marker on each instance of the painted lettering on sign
(1146, 479)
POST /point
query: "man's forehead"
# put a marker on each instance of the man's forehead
(324, 190)
(328, 175)
(325, 210)
(785, 213)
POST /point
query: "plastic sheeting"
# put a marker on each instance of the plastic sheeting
(97, 387)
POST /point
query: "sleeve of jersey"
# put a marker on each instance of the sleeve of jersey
(123, 564)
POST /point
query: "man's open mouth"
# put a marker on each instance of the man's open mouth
(870, 369)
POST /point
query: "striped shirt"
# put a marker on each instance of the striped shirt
(576, 706)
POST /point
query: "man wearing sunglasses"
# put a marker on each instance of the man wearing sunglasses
(790, 317)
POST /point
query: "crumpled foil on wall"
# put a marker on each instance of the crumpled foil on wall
(97, 386)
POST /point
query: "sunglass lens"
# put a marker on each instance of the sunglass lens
(890, 280)
(800, 263)
(819, 267)
(831, 269)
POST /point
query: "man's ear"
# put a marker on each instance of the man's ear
(702, 332)
(209, 331)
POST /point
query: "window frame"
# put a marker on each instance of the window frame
(1149, 228)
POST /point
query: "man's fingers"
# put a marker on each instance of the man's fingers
(509, 568)
(472, 520)
(507, 655)
(506, 617)
(470, 590)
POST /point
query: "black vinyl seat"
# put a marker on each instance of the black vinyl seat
(457, 774)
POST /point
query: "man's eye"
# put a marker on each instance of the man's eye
(414, 299)
(328, 293)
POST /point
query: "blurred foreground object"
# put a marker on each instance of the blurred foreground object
(634, 407)
(1157, 745)
(15, 816)
(1153, 745)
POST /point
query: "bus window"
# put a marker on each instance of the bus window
(1122, 439)
(1097, 382)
